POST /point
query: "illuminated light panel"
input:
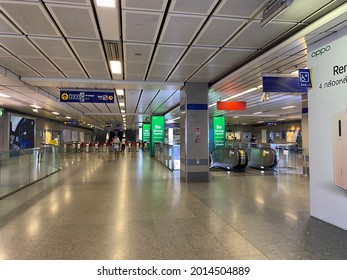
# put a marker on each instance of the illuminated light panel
(106, 3)
(4, 95)
(116, 66)
(288, 107)
(120, 92)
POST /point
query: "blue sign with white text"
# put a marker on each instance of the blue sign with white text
(282, 84)
(305, 78)
(86, 96)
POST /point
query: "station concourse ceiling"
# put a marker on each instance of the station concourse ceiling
(46, 45)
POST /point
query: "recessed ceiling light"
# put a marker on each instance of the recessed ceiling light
(4, 95)
(121, 104)
(116, 66)
(35, 106)
(260, 121)
(122, 111)
(67, 117)
(257, 113)
(288, 107)
(236, 117)
(120, 92)
(106, 3)
(55, 113)
(35, 110)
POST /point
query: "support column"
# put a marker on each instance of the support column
(194, 133)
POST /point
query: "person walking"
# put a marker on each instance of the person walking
(116, 147)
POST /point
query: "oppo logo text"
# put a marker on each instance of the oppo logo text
(320, 51)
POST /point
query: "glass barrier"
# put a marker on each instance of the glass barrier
(169, 155)
(21, 168)
(291, 157)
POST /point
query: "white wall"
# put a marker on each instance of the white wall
(328, 201)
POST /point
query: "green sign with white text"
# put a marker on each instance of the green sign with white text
(146, 132)
(219, 132)
(157, 131)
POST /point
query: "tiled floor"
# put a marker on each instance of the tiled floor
(96, 208)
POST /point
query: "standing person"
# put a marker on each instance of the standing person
(116, 146)
(123, 144)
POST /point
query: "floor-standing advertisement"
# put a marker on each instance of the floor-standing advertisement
(328, 129)
(219, 132)
(157, 131)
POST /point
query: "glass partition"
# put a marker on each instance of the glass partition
(20, 168)
(169, 155)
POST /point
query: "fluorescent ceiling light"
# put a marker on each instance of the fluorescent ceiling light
(122, 111)
(55, 113)
(214, 104)
(288, 107)
(120, 92)
(236, 117)
(116, 66)
(106, 3)
(35, 110)
(121, 104)
(35, 106)
(274, 9)
(260, 121)
(4, 95)
(257, 113)
(67, 117)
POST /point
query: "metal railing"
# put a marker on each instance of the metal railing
(20, 168)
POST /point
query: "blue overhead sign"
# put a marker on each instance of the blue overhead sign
(71, 122)
(282, 84)
(305, 78)
(86, 96)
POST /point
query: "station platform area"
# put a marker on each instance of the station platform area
(135, 208)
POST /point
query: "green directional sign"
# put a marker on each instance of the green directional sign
(157, 131)
(146, 132)
(219, 132)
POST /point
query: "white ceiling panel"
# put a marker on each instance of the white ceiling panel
(80, 2)
(137, 52)
(68, 65)
(161, 97)
(301, 9)
(91, 50)
(51, 74)
(4, 52)
(184, 70)
(96, 66)
(208, 72)
(195, 55)
(188, 26)
(159, 70)
(17, 67)
(76, 75)
(168, 54)
(7, 27)
(75, 21)
(218, 31)
(140, 26)
(228, 57)
(189, 7)
(147, 97)
(30, 17)
(132, 97)
(149, 5)
(138, 69)
(256, 36)
(239, 8)
(19, 45)
(53, 47)
(40, 64)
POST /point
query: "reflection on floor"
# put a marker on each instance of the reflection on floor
(134, 208)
